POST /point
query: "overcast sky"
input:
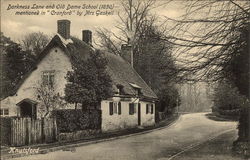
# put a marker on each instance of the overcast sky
(16, 26)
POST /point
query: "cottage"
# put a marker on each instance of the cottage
(132, 103)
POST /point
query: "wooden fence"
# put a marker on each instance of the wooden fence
(26, 131)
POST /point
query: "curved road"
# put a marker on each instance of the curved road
(189, 130)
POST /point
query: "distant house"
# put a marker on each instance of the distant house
(133, 101)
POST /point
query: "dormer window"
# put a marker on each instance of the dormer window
(48, 78)
(120, 90)
(137, 89)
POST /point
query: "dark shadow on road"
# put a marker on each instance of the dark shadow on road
(217, 118)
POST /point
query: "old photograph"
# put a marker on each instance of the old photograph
(125, 80)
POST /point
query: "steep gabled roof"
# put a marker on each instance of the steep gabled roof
(123, 74)
(120, 71)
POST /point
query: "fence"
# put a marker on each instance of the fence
(26, 131)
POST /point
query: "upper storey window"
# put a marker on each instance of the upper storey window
(48, 78)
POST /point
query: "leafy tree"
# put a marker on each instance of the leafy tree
(88, 83)
(227, 97)
(15, 62)
(169, 99)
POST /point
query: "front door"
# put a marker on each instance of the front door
(139, 114)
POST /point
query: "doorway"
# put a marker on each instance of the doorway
(28, 108)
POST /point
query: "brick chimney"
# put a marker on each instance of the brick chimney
(87, 36)
(63, 28)
(127, 53)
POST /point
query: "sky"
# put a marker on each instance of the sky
(16, 26)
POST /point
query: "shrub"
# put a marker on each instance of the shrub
(227, 97)
(5, 130)
(70, 120)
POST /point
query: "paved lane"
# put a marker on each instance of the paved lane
(190, 129)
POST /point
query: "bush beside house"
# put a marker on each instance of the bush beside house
(70, 120)
(5, 130)
(77, 124)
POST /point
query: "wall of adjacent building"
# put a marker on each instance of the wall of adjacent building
(124, 120)
(55, 60)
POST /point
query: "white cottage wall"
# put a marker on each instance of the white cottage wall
(125, 120)
(55, 60)
(147, 119)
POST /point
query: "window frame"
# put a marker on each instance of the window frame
(48, 78)
(131, 109)
(4, 112)
(115, 108)
(152, 109)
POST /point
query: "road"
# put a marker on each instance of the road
(188, 131)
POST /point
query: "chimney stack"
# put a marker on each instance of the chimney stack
(63, 28)
(127, 53)
(87, 36)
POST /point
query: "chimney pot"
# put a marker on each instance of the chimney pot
(87, 36)
(63, 28)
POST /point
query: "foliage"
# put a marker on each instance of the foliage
(237, 69)
(152, 55)
(73, 120)
(214, 36)
(152, 58)
(244, 127)
(15, 63)
(88, 83)
(169, 99)
(5, 127)
(227, 97)
(195, 97)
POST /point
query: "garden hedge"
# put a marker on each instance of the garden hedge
(70, 120)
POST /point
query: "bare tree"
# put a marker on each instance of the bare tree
(49, 99)
(206, 36)
(34, 42)
(132, 16)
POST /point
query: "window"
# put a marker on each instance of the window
(131, 108)
(152, 108)
(149, 108)
(4, 112)
(119, 108)
(120, 90)
(115, 108)
(110, 108)
(48, 78)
